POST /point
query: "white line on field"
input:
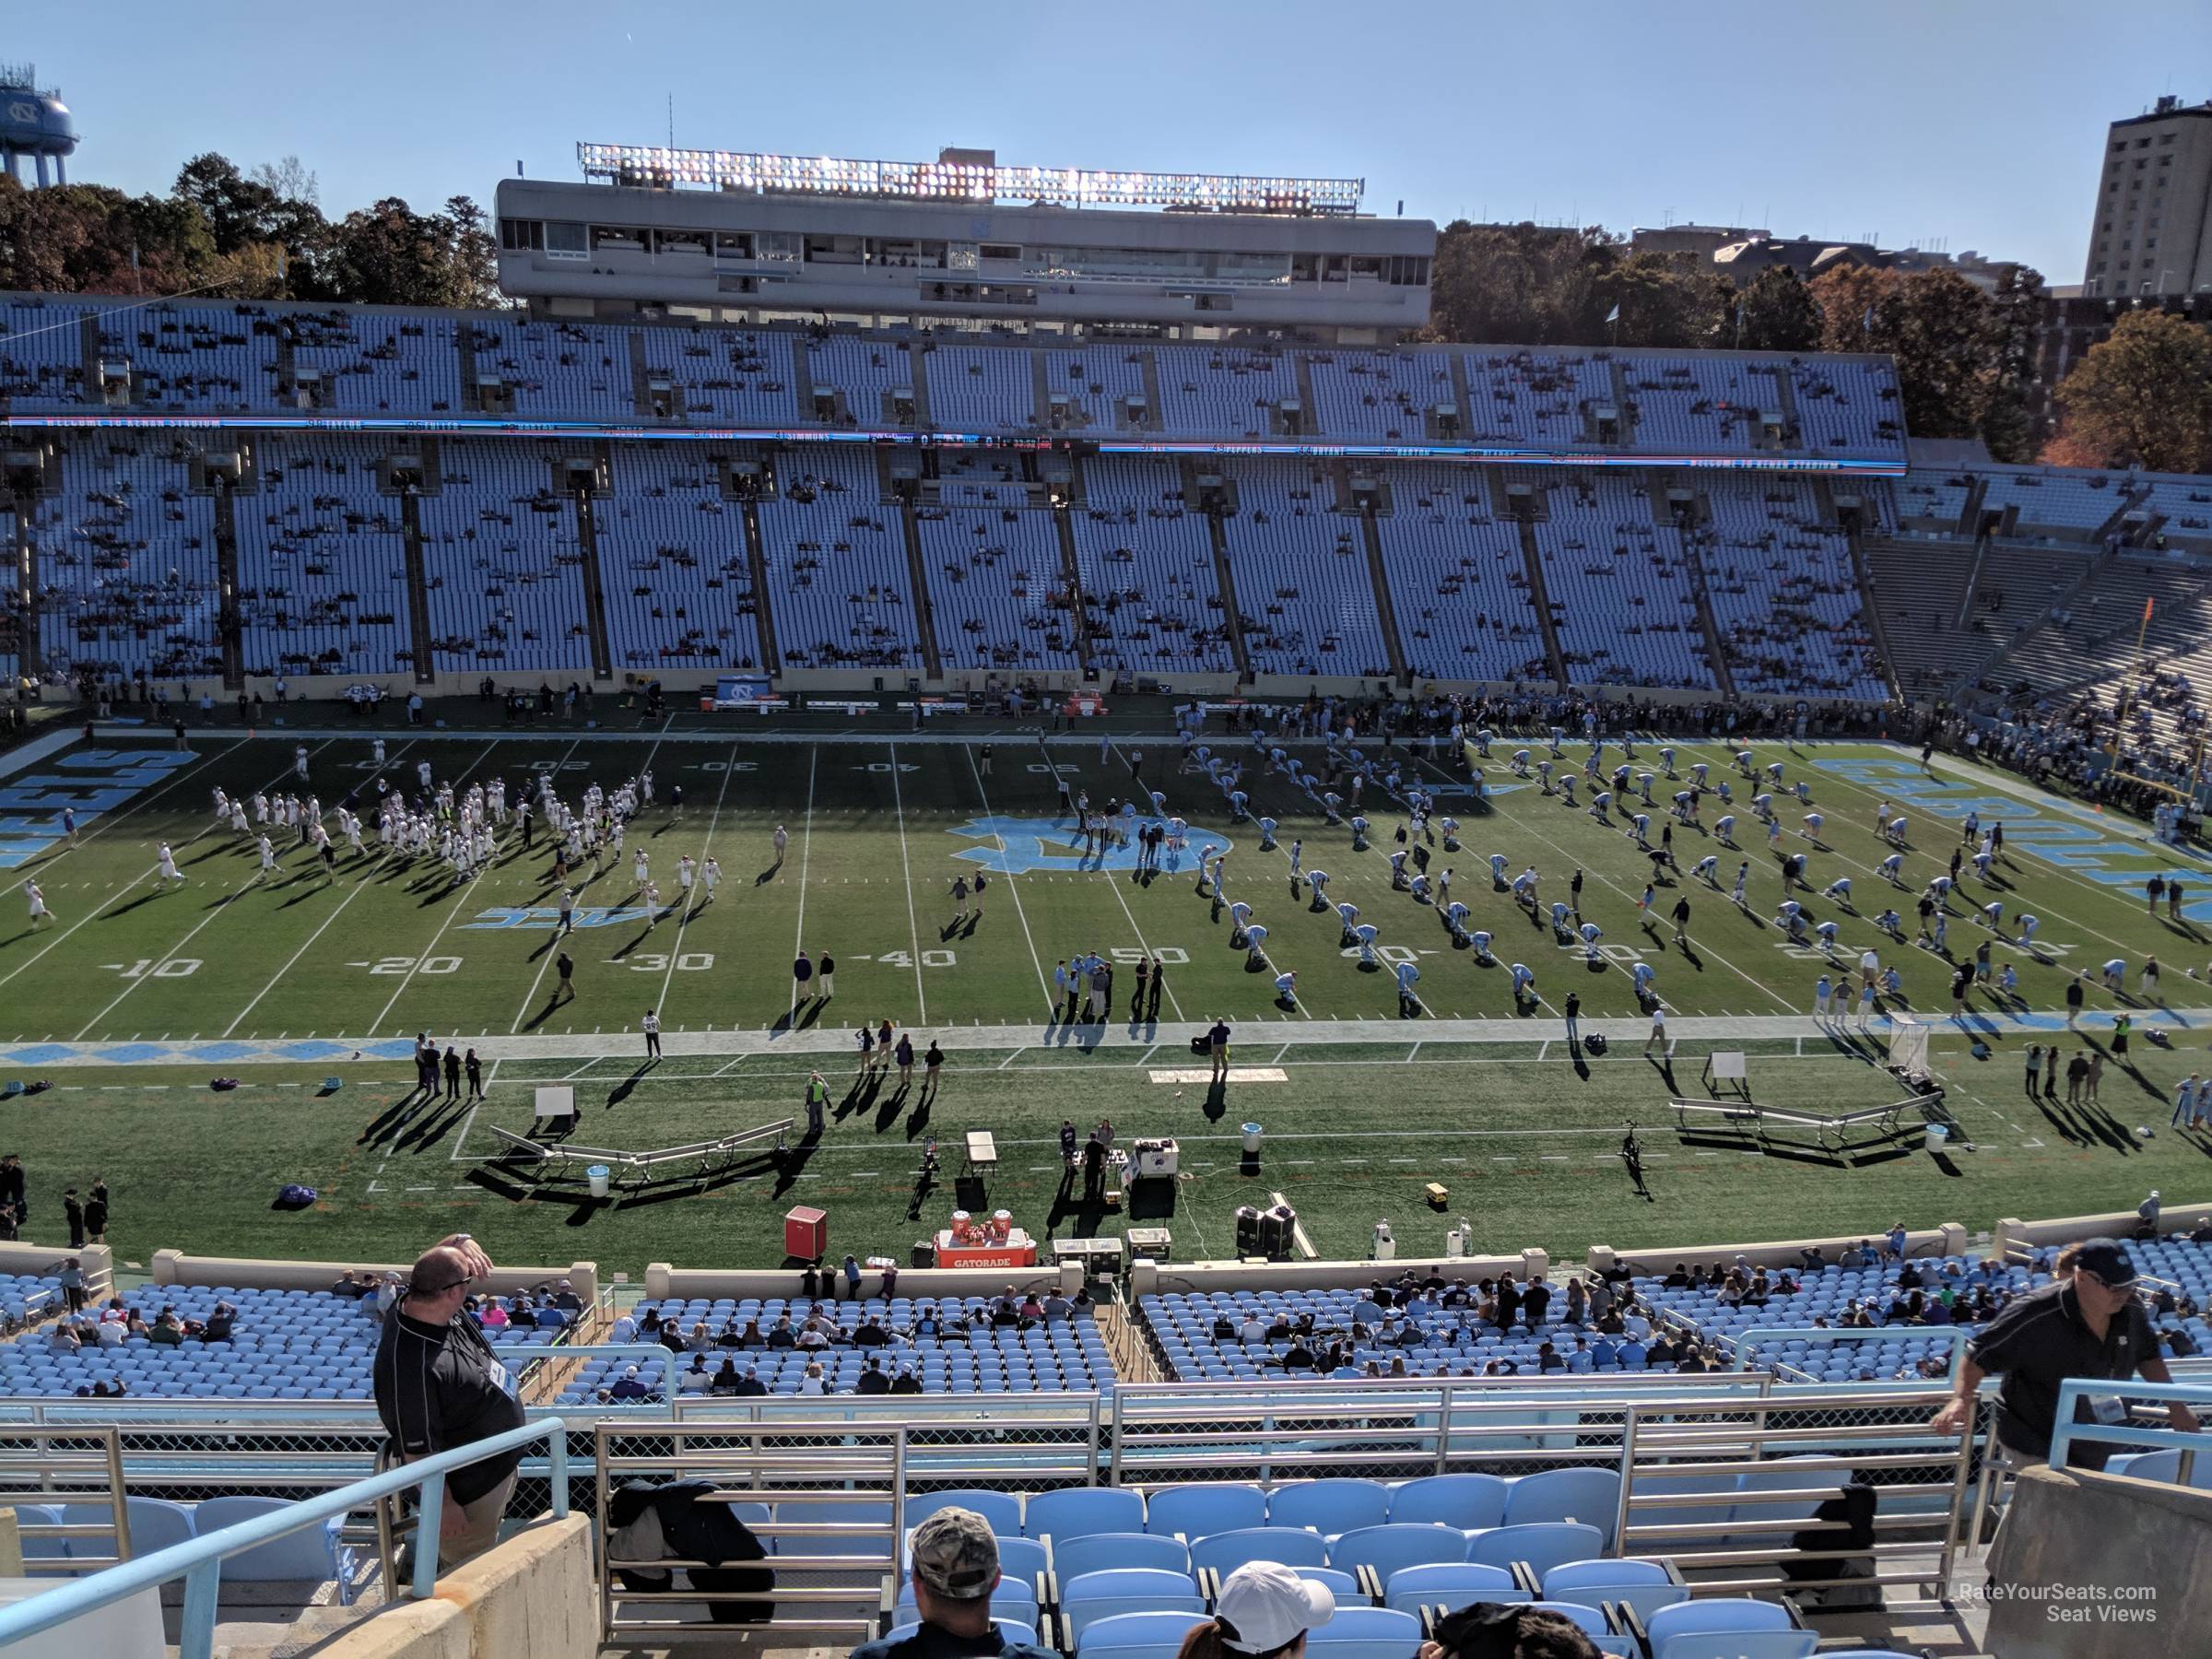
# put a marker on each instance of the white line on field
(914, 928)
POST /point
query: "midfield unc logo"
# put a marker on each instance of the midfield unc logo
(1023, 845)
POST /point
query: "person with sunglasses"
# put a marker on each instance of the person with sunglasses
(2086, 1324)
(439, 1386)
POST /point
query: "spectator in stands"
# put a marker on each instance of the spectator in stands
(954, 1568)
(813, 1382)
(629, 1385)
(725, 1380)
(870, 1334)
(71, 1277)
(871, 1380)
(566, 1299)
(168, 1331)
(1264, 1610)
(218, 1328)
(750, 1384)
(492, 1316)
(906, 1383)
(2088, 1324)
(439, 1387)
(347, 1287)
(696, 1378)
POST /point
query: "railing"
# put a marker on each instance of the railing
(2073, 1389)
(93, 1458)
(1744, 1342)
(199, 1562)
(1761, 1468)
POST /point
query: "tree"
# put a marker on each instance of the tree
(1518, 284)
(1668, 300)
(472, 254)
(2008, 430)
(290, 179)
(1777, 312)
(2144, 396)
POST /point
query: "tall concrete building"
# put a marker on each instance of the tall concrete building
(2152, 231)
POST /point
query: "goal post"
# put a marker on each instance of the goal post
(1908, 1047)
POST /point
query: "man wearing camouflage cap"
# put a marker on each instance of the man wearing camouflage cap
(955, 1569)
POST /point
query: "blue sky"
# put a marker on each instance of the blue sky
(1976, 123)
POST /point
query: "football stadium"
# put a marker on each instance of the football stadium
(1393, 990)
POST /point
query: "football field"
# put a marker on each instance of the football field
(137, 992)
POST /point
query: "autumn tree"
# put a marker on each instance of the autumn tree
(2143, 397)
(1777, 312)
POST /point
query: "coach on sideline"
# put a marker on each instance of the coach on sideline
(439, 1386)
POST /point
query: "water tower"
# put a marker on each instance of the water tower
(33, 123)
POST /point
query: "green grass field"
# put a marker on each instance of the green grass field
(201, 980)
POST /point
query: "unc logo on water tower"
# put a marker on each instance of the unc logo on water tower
(1020, 845)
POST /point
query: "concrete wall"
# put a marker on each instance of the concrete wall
(2093, 1566)
(1948, 1239)
(174, 1268)
(663, 1281)
(2174, 1218)
(30, 1257)
(533, 1597)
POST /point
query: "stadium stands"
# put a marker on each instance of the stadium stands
(283, 1344)
(1151, 600)
(1691, 407)
(672, 561)
(1304, 587)
(1845, 405)
(1097, 383)
(365, 361)
(837, 568)
(979, 388)
(1049, 1355)
(555, 368)
(322, 562)
(1619, 586)
(1533, 398)
(1378, 394)
(997, 593)
(722, 374)
(125, 562)
(1222, 390)
(1784, 595)
(2049, 498)
(1458, 583)
(504, 567)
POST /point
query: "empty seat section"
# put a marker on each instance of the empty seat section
(1620, 585)
(1304, 587)
(1458, 582)
(321, 560)
(1151, 597)
(673, 566)
(504, 567)
(836, 562)
(997, 594)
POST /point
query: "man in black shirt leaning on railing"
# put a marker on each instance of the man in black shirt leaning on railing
(439, 1386)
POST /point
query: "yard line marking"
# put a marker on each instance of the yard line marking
(126, 886)
(805, 858)
(914, 928)
(361, 882)
(454, 908)
(705, 847)
(1045, 988)
(1010, 1059)
(170, 954)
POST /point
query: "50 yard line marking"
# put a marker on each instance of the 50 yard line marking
(914, 928)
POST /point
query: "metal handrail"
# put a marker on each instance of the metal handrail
(199, 1562)
(2073, 1389)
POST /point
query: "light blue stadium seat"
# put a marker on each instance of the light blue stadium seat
(1449, 1583)
(1388, 1549)
(1339, 1583)
(312, 1555)
(1330, 1506)
(1727, 1627)
(1098, 1595)
(1014, 1598)
(1096, 1552)
(1542, 1544)
(1467, 1502)
(1074, 1511)
(1365, 1633)
(155, 1523)
(1156, 1635)
(1225, 1552)
(1645, 1585)
(1592, 1496)
(2165, 1466)
(1203, 1510)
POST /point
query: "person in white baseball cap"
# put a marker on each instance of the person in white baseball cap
(1265, 1609)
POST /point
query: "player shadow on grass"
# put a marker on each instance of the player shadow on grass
(623, 1091)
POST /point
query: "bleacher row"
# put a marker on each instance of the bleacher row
(216, 357)
(1055, 1356)
(284, 1344)
(1113, 1571)
(127, 576)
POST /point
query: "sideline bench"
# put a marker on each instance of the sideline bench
(1830, 1127)
(710, 1156)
